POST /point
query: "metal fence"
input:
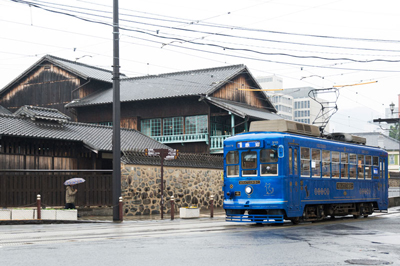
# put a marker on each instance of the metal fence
(19, 188)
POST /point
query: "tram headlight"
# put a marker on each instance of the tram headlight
(248, 190)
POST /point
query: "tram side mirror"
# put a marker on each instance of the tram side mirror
(280, 151)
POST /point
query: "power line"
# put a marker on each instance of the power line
(212, 33)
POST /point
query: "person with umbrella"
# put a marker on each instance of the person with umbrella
(70, 192)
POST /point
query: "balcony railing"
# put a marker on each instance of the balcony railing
(217, 142)
(216, 145)
(182, 138)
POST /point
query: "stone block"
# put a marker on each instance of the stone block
(185, 213)
(5, 214)
(22, 214)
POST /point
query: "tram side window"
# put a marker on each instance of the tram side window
(305, 161)
(269, 162)
(249, 163)
(353, 165)
(368, 167)
(360, 166)
(335, 164)
(326, 164)
(232, 157)
(375, 167)
(344, 169)
(382, 168)
(316, 162)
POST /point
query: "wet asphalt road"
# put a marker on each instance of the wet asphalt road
(205, 241)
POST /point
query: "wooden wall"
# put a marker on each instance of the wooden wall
(231, 92)
(46, 86)
(133, 112)
(49, 86)
(18, 153)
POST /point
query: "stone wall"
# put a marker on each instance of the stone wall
(394, 182)
(189, 186)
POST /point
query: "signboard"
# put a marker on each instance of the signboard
(248, 144)
(167, 154)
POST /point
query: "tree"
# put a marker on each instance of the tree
(394, 131)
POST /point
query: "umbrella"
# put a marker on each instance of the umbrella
(74, 181)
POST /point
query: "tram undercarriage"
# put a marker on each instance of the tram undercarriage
(311, 213)
(321, 211)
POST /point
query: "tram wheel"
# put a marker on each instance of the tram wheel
(356, 216)
(295, 221)
(365, 215)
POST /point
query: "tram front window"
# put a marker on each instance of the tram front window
(269, 162)
(232, 161)
(249, 163)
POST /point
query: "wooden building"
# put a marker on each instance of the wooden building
(193, 111)
(53, 82)
(40, 148)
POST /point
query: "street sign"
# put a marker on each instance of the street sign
(151, 152)
(165, 154)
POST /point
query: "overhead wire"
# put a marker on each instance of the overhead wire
(359, 69)
(209, 33)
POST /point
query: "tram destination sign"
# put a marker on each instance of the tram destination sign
(248, 144)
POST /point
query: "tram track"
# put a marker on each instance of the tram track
(58, 234)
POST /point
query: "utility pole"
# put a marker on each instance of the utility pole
(116, 141)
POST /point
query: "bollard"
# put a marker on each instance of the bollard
(121, 215)
(212, 206)
(38, 204)
(172, 207)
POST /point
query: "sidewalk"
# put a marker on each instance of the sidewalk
(218, 212)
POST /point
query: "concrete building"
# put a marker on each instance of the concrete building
(270, 82)
(305, 109)
(391, 145)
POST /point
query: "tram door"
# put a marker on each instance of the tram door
(294, 178)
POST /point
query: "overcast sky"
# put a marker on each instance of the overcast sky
(321, 43)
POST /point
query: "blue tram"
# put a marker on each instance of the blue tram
(272, 176)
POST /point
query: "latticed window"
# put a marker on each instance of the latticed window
(173, 126)
(151, 127)
(196, 124)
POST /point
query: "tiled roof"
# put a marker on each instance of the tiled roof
(35, 112)
(178, 84)
(380, 140)
(82, 69)
(243, 110)
(4, 110)
(79, 69)
(98, 138)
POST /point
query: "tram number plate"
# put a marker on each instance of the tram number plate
(237, 193)
(344, 186)
(250, 182)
